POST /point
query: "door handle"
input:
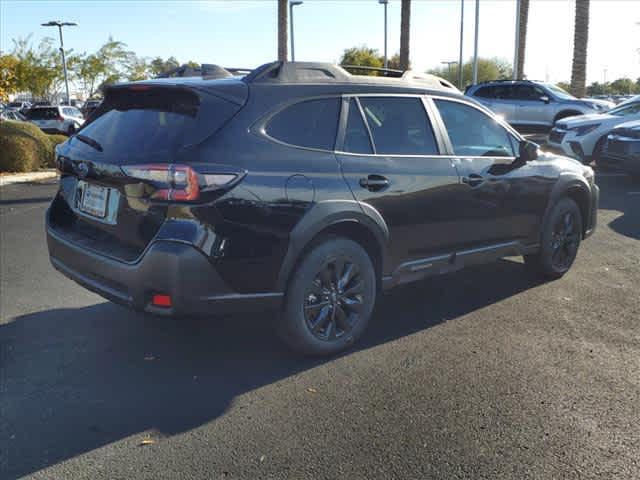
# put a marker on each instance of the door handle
(473, 180)
(374, 183)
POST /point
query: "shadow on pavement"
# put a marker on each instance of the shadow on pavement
(76, 379)
(614, 196)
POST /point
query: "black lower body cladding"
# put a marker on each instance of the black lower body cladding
(171, 268)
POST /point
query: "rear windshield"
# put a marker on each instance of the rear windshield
(150, 124)
(43, 114)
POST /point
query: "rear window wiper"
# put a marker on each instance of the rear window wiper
(89, 141)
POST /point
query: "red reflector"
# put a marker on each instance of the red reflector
(161, 300)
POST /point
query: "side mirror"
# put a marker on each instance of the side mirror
(528, 151)
(545, 99)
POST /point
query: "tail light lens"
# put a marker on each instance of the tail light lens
(177, 182)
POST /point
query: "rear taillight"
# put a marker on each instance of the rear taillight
(177, 182)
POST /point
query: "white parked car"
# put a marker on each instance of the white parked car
(56, 119)
(583, 137)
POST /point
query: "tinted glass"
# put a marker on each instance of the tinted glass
(356, 138)
(484, 92)
(312, 124)
(399, 126)
(528, 92)
(43, 113)
(473, 133)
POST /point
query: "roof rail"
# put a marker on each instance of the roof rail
(297, 72)
(206, 70)
(315, 72)
(387, 72)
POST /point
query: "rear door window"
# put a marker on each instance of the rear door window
(356, 137)
(472, 132)
(399, 126)
(311, 124)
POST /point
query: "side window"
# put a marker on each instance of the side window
(473, 133)
(356, 137)
(399, 126)
(311, 123)
(485, 92)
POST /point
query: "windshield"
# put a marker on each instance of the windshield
(559, 92)
(626, 110)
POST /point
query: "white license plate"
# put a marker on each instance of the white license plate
(94, 200)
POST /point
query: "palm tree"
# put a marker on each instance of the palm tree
(282, 30)
(522, 36)
(580, 40)
(405, 21)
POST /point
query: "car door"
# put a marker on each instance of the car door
(497, 98)
(503, 199)
(530, 107)
(390, 157)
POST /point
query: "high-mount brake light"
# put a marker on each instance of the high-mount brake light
(139, 88)
(176, 182)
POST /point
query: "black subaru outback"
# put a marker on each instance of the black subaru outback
(304, 188)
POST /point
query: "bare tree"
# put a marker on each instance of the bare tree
(405, 30)
(282, 30)
(580, 40)
(522, 36)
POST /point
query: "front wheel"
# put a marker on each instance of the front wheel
(329, 299)
(561, 238)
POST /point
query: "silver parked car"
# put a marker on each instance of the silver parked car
(583, 137)
(58, 119)
(527, 103)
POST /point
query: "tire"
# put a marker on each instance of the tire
(561, 238)
(71, 130)
(330, 298)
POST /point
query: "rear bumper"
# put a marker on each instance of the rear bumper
(170, 268)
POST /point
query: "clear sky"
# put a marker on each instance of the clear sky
(242, 33)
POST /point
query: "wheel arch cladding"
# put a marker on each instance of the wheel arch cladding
(574, 187)
(566, 113)
(340, 218)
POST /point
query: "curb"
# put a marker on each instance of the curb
(26, 177)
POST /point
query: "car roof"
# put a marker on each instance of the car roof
(303, 75)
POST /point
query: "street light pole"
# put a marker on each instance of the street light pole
(386, 58)
(460, 79)
(448, 64)
(475, 46)
(293, 3)
(516, 50)
(60, 24)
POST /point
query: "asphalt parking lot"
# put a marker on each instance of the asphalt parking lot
(485, 373)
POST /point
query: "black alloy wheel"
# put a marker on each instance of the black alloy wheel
(334, 299)
(560, 240)
(329, 299)
(565, 240)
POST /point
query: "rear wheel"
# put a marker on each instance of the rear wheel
(71, 130)
(560, 241)
(330, 298)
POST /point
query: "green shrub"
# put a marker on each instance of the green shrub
(24, 147)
